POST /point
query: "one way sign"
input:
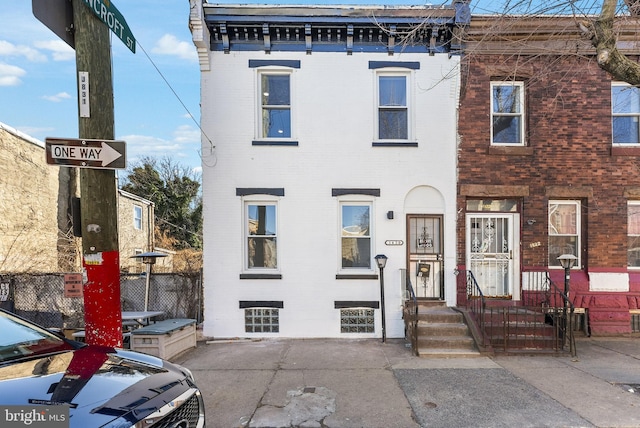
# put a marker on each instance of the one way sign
(85, 153)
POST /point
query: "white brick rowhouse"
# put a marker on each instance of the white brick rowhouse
(326, 141)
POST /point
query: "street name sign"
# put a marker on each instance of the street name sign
(86, 153)
(107, 13)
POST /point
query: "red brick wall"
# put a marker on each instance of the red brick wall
(568, 156)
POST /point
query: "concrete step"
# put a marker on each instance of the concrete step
(447, 353)
(447, 342)
(426, 328)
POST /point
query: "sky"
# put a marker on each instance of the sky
(156, 90)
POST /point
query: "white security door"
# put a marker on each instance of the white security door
(492, 253)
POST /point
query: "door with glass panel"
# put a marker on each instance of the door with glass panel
(424, 237)
(491, 243)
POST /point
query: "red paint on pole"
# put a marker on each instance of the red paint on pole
(102, 312)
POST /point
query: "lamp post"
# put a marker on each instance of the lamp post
(381, 260)
(567, 261)
(148, 259)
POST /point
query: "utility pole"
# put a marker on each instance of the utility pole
(98, 203)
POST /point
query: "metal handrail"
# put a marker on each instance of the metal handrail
(544, 295)
(410, 314)
(476, 303)
(567, 328)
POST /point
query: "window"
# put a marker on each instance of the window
(261, 320)
(625, 110)
(564, 230)
(393, 107)
(137, 217)
(633, 234)
(356, 320)
(275, 110)
(507, 113)
(261, 238)
(356, 235)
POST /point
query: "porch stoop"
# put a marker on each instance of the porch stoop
(442, 332)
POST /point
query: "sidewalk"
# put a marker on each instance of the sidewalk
(342, 383)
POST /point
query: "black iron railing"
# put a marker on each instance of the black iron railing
(476, 305)
(410, 314)
(542, 319)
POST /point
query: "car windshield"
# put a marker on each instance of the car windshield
(20, 339)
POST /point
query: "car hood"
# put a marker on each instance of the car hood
(98, 384)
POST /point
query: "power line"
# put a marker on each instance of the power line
(176, 95)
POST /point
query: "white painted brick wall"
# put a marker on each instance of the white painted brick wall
(333, 102)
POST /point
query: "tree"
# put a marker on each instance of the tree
(609, 26)
(175, 191)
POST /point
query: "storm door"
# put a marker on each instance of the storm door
(491, 244)
(424, 237)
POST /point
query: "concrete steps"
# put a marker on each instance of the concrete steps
(443, 333)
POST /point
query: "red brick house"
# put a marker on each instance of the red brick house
(549, 160)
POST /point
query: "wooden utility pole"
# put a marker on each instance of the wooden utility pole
(99, 210)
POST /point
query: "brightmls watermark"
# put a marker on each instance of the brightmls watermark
(34, 416)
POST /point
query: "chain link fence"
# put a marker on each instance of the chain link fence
(41, 298)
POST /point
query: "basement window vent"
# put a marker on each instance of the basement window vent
(261, 320)
(356, 320)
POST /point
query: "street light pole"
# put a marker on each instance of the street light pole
(567, 261)
(381, 260)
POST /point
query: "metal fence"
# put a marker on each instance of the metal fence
(41, 298)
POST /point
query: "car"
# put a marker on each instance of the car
(45, 375)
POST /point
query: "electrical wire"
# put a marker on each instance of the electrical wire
(212, 146)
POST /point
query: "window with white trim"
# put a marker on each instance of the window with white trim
(275, 104)
(507, 113)
(261, 235)
(564, 231)
(137, 217)
(355, 235)
(393, 106)
(625, 113)
(633, 234)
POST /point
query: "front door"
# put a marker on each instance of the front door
(492, 253)
(424, 236)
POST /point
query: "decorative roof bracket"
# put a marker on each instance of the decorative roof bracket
(267, 38)
(432, 40)
(225, 37)
(392, 40)
(307, 37)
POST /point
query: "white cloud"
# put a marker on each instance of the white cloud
(10, 75)
(170, 45)
(57, 97)
(186, 134)
(11, 50)
(140, 146)
(60, 51)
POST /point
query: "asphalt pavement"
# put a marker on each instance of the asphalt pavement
(343, 383)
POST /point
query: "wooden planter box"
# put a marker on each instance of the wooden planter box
(165, 339)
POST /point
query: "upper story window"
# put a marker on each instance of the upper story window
(261, 235)
(564, 230)
(625, 111)
(137, 217)
(393, 106)
(355, 235)
(633, 234)
(507, 113)
(275, 104)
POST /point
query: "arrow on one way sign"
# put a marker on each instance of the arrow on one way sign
(86, 153)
